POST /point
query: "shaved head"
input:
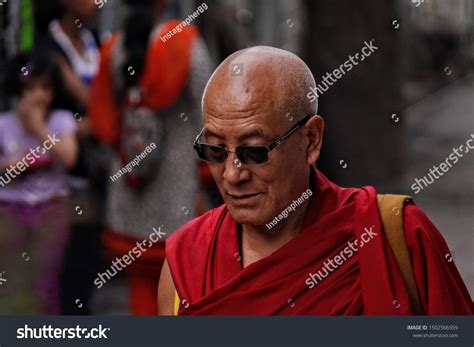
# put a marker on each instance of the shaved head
(280, 74)
(254, 97)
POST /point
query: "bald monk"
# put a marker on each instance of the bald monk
(288, 241)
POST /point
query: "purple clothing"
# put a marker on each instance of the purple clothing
(32, 188)
(33, 240)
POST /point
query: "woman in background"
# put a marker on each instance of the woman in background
(37, 146)
(75, 48)
(148, 90)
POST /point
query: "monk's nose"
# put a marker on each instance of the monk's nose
(234, 170)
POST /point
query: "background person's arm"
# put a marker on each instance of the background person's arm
(66, 151)
(73, 83)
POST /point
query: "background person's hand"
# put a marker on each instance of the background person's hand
(32, 114)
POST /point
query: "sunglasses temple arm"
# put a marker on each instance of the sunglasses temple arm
(281, 139)
(197, 137)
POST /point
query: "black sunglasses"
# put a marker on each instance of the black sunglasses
(246, 154)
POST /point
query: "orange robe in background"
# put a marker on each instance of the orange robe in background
(164, 78)
(206, 267)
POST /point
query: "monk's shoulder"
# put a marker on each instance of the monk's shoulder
(420, 232)
(198, 231)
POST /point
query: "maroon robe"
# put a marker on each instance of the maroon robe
(207, 271)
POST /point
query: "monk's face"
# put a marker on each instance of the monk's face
(240, 111)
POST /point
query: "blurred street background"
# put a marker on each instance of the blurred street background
(388, 121)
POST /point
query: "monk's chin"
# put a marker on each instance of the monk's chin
(247, 216)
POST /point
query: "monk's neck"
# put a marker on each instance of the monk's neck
(258, 242)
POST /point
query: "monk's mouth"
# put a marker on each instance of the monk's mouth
(244, 198)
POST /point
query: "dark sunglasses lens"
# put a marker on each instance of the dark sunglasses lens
(215, 154)
(252, 154)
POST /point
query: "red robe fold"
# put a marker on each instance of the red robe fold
(206, 266)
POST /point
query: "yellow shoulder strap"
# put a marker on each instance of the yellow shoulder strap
(176, 303)
(391, 213)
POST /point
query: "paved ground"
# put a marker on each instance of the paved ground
(435, 125)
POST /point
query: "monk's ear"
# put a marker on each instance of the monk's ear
(314, 131)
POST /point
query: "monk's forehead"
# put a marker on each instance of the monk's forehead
(245, 84)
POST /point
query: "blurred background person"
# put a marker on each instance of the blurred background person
(148, 90)
(35, 225)
(76, 49)
(71, 43)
